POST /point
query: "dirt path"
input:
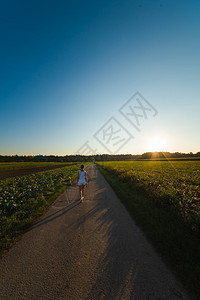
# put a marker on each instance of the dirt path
(91, 250)
(27, 171)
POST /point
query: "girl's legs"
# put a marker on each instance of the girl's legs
(83, 190)
(80, 191)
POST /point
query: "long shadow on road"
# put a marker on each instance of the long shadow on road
(115, 270)
(127, 267)
(54, 216)
(103, 254)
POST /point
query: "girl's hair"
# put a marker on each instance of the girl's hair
(82, 166)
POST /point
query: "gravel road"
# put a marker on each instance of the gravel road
(90, 250)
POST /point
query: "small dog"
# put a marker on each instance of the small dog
(68, 181)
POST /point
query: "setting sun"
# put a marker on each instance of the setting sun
(157, 144)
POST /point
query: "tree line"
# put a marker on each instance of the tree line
(99, 157)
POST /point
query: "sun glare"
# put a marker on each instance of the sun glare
(157, 144)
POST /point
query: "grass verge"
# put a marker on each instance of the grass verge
(176, 242)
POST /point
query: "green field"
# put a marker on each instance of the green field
(164, 199)
(172, 184)
(23, 199)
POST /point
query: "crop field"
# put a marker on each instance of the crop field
(22, 199)
(164, 199)
(11, 169)
(174, 184)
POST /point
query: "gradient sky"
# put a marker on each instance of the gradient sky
(66, 67)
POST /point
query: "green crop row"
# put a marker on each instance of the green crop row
(172, 184)
(14, 192)
(164, 200)
(23, 199)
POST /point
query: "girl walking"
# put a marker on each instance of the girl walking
(82, 182)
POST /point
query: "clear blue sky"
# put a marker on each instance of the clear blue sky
(66, 67)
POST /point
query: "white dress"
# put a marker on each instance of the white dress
(81, 178)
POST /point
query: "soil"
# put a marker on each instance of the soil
(22, 172)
